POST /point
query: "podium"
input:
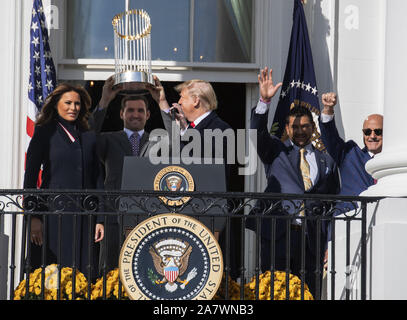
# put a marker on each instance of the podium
(141, 175)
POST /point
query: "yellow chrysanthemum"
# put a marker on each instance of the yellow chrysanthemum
(52, 274)
(112, 287)
(234, 291)
(280, 287)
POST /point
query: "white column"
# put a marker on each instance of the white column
(371, 80)
(14, 60)
(13, 84)
(390, 166)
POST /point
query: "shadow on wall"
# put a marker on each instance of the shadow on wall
(319, 31)
(4, 249)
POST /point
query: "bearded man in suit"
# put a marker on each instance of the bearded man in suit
(293, 167)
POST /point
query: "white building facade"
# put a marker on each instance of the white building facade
(358, 52)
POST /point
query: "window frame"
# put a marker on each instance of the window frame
(100, 69)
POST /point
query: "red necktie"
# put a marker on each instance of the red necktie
(192, 125)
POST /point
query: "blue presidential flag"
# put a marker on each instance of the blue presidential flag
(42, 78)
(299, 85)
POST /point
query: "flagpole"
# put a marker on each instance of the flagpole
(127, 5)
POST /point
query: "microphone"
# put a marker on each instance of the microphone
(173, 112)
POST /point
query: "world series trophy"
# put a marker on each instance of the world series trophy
(132, 45)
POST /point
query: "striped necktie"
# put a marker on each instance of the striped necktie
(135, 143)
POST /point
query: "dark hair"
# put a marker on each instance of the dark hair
(298, 112)
(134, 98)
(49, 110)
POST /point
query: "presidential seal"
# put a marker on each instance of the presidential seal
(174, 178)
(171, 257)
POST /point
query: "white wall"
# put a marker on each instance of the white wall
(348, 41)
(361, 43)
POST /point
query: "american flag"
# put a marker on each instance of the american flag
(42, 70)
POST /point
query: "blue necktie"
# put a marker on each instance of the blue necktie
(135, 143)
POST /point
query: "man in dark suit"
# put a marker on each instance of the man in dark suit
(133, 140)
(350, 158)
(292, 167)
(195, 115)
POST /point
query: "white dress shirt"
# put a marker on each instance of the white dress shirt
(197, 121)
(129, 132)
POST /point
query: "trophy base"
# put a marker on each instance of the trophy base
(133, 83)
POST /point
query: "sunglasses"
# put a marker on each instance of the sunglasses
(368, 132)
